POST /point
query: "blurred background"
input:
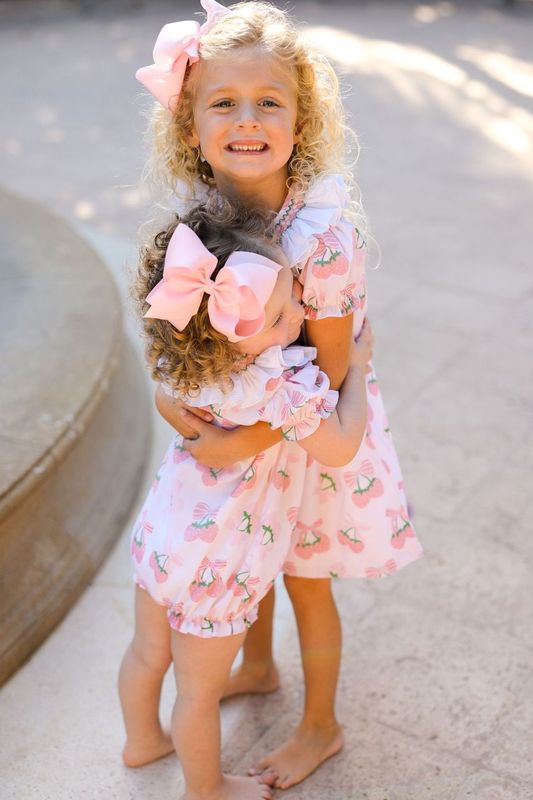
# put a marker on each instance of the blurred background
(437, 677)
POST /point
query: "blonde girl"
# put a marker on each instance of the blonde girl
(244, 106)
(219, 314)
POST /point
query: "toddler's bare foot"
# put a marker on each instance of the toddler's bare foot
(137, 754)
(235, 787)
(299, 756)
(252, 678)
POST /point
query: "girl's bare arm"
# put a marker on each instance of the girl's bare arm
(338, 438)
(209, 444)
(332, 338)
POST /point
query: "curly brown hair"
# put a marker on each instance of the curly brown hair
(199, 355)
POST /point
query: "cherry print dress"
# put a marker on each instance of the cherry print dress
(208, 543)
(353, 520)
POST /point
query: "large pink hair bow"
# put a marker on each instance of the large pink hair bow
(175, 48)
(237, 296)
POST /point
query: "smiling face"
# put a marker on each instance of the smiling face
(245, 109)
(283, 317)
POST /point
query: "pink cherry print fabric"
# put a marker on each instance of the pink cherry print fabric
(352, 521)
(208, 543)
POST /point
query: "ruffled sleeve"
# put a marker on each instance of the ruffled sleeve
(283, 388)
(325, 249)
(300, 402)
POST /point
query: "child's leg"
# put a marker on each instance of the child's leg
(140, 679)
(318, 736)
(201, 667)
(257, 673)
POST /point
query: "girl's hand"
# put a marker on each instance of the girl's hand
(209, 444)
(363, 348)
(171, 410)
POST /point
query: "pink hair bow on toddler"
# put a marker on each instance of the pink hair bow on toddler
(237, 296)
(175, 48)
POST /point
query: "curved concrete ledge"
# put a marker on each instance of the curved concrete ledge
(74, 423)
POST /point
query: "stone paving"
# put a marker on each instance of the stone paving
(437, 678)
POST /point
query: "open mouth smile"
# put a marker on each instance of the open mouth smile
(247, 147)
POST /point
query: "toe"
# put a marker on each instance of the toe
(284, 783)
(268, 777)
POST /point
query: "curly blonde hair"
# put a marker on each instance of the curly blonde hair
(199, 355)
(323, 135)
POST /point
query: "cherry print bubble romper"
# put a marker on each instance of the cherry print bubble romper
(353, 520)
(208, 543)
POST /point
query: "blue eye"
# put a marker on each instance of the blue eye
(222, 104)
(270, 103)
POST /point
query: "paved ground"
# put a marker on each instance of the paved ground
(437, 680)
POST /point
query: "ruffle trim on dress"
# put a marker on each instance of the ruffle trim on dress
(251, 383)
(347, 302)
(301, 404)
(322, 207)
(203, 626)
(207, 627)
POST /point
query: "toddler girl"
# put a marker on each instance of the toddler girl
(245, 106)
(208, 543)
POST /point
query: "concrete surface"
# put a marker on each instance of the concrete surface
(70, 468)
(437, 677)
(55, 291)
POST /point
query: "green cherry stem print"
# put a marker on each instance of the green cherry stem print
(348, 537)
(281, 479)
(138, 541)
(246, 524)
(158, 563)
(311, 539)
(268, 535)
(348, 301)
(209, 475)
(180, 454)
(208, 579)
(401, 527)
(329, 259)
(364, 485)
(138, 545)
(327, 483)
(239, 583)
(249, 478)
(203, 525)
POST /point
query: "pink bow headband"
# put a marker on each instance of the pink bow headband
(175, 48)
(237, 296)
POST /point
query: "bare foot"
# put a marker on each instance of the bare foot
(299, 756)
(236, 787)
(137, 754)
(252, 679)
